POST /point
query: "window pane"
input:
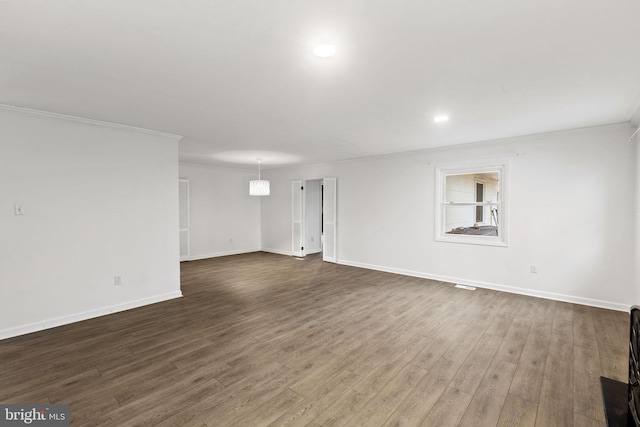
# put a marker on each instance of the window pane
(481, 187)
(465, 187)
(458, 216)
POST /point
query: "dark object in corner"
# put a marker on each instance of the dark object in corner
(614, 394)
(633, 393)
(622, 401)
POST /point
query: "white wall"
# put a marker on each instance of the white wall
(99, 201)
(223, 218)
(571, 204)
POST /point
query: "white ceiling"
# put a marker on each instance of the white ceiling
(237, 78)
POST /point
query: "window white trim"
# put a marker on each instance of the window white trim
(500, 166)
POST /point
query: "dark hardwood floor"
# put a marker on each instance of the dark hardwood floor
(264, 339)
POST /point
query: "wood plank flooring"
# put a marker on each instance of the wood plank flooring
(267, 340)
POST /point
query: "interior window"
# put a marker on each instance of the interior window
(471, 207)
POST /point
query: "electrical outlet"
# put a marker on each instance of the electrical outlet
(534, 269)
(18, 210)
(117, 280)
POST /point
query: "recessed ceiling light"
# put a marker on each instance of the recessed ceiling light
(324, 50)
(441, 118)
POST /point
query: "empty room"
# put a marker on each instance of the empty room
(322, 213)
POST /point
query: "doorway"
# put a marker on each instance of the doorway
(479, 199)
(313, 227)
(312, 224)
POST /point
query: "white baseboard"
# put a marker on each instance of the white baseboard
(85, 315)
(277, 251)
(496, 287)
(219, 254)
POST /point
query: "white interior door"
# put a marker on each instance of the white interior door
(297, 243)
(329, 215)
(184, 218)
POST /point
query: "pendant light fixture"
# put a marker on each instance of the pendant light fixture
(259, 187)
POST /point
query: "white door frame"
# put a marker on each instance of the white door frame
(297, 218)
(184, 257)
(330, 219)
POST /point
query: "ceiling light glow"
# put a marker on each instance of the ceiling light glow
(440, 118)
(324, 50)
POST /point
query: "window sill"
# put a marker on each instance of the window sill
(472, 240)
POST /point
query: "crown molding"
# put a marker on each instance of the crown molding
(84, 120)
